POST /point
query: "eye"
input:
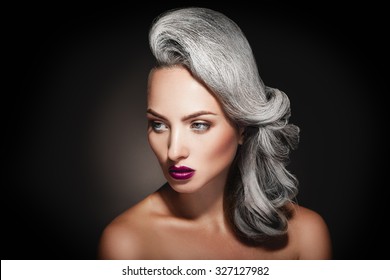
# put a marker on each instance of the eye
(200, 126)
(158, 126)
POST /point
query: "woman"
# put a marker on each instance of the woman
(222, 139)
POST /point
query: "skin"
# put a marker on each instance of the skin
(184, 219)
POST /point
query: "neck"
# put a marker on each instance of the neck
(207, 204)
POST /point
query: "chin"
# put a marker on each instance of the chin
(183, 187)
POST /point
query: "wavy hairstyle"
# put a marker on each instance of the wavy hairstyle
(215, 50)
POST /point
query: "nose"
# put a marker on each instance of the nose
(177, 147)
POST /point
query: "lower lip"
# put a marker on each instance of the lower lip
(181, 175)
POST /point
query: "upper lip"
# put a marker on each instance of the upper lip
(180, 169)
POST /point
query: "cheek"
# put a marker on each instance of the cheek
(222, 148)
(157, 146)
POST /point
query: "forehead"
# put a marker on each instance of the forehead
(176, 89)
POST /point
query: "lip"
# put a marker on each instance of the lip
(181, 172)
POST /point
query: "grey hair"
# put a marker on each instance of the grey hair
(215, 50)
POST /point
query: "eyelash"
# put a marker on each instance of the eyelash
(195, 126)
(154, 124)
(205, 126)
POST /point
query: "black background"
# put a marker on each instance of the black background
(63, 62)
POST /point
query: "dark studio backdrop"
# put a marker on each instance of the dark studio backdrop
(74, 111)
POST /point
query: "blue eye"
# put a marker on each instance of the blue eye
(158, 126)
(200, 126)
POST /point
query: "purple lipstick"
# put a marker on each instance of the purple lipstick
(181, 172)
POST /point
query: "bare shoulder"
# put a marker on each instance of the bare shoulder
(119, 240)
(311, 234)
(126, 237)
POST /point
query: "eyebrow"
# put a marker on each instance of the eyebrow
(185, 118)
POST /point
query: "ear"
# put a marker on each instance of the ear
(241, 131)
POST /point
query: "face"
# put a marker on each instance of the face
(188, 131)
